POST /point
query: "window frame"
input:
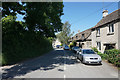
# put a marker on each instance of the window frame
(98, 32)
(83, 36)
(76, 37)
(111, 29)
(99, 45)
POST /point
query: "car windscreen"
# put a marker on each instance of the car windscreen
(76, 47)
(88, 52)
(57, 45)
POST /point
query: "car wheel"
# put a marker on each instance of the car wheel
(100, 63)
(78, 58)
(82, 60)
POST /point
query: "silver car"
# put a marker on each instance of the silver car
(88, 56)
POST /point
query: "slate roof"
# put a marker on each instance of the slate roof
(109, 18)
(78, 36)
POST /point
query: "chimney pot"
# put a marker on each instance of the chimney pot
(78, 31)
(105, 13)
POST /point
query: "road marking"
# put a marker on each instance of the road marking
(64, 76)
(64, 64)
(64, 67)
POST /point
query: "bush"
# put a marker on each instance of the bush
(114, 56)
(61, 44)
(95, 49)
(23, 48)
(0, 59)
(103, 56)
(72, 44)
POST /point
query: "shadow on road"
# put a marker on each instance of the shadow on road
(46, 62)
(94, 64)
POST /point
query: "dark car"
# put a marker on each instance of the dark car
(75, 48)
(57, 46)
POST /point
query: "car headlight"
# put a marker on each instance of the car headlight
(99, 58)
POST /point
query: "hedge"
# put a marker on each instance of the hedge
(24, 48)
(112, 56)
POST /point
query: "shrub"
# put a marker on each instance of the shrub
(61, 44)
(25, 48)
(114, 56)
(103, 56)
(0, 59)
(72, 44)
(94, 49)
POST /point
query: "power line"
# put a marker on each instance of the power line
(92, 13)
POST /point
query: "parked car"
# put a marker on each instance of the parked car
(57, 46)
(66, 47)
(75, 49)
(88, 56)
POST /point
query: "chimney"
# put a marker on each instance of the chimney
(78, 31)
(105, 13)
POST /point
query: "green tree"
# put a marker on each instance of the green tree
(40, 17)
(12, 8)
(65, 34)
(44, 17)
(21, 40)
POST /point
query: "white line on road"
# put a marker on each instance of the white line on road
(64, 67)
(64, 76)
(64, 64)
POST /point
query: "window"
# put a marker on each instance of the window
(111, 28)
(82, 36)
(98, 32)
(72, 38)
(99, 45)
(76, 37)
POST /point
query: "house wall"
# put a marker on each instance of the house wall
(104, 38)
(119, 35)
(57, 42)
(87, 44)
(94, 38)
(77, 43)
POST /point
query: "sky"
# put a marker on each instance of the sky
(83, 15)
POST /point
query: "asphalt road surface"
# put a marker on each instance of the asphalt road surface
(59, 64)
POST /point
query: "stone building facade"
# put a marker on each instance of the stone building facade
(104, 35)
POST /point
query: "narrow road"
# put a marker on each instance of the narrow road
(59, 64)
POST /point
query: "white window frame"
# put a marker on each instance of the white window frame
(99, 46)
(111, 28)
(98, 32)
